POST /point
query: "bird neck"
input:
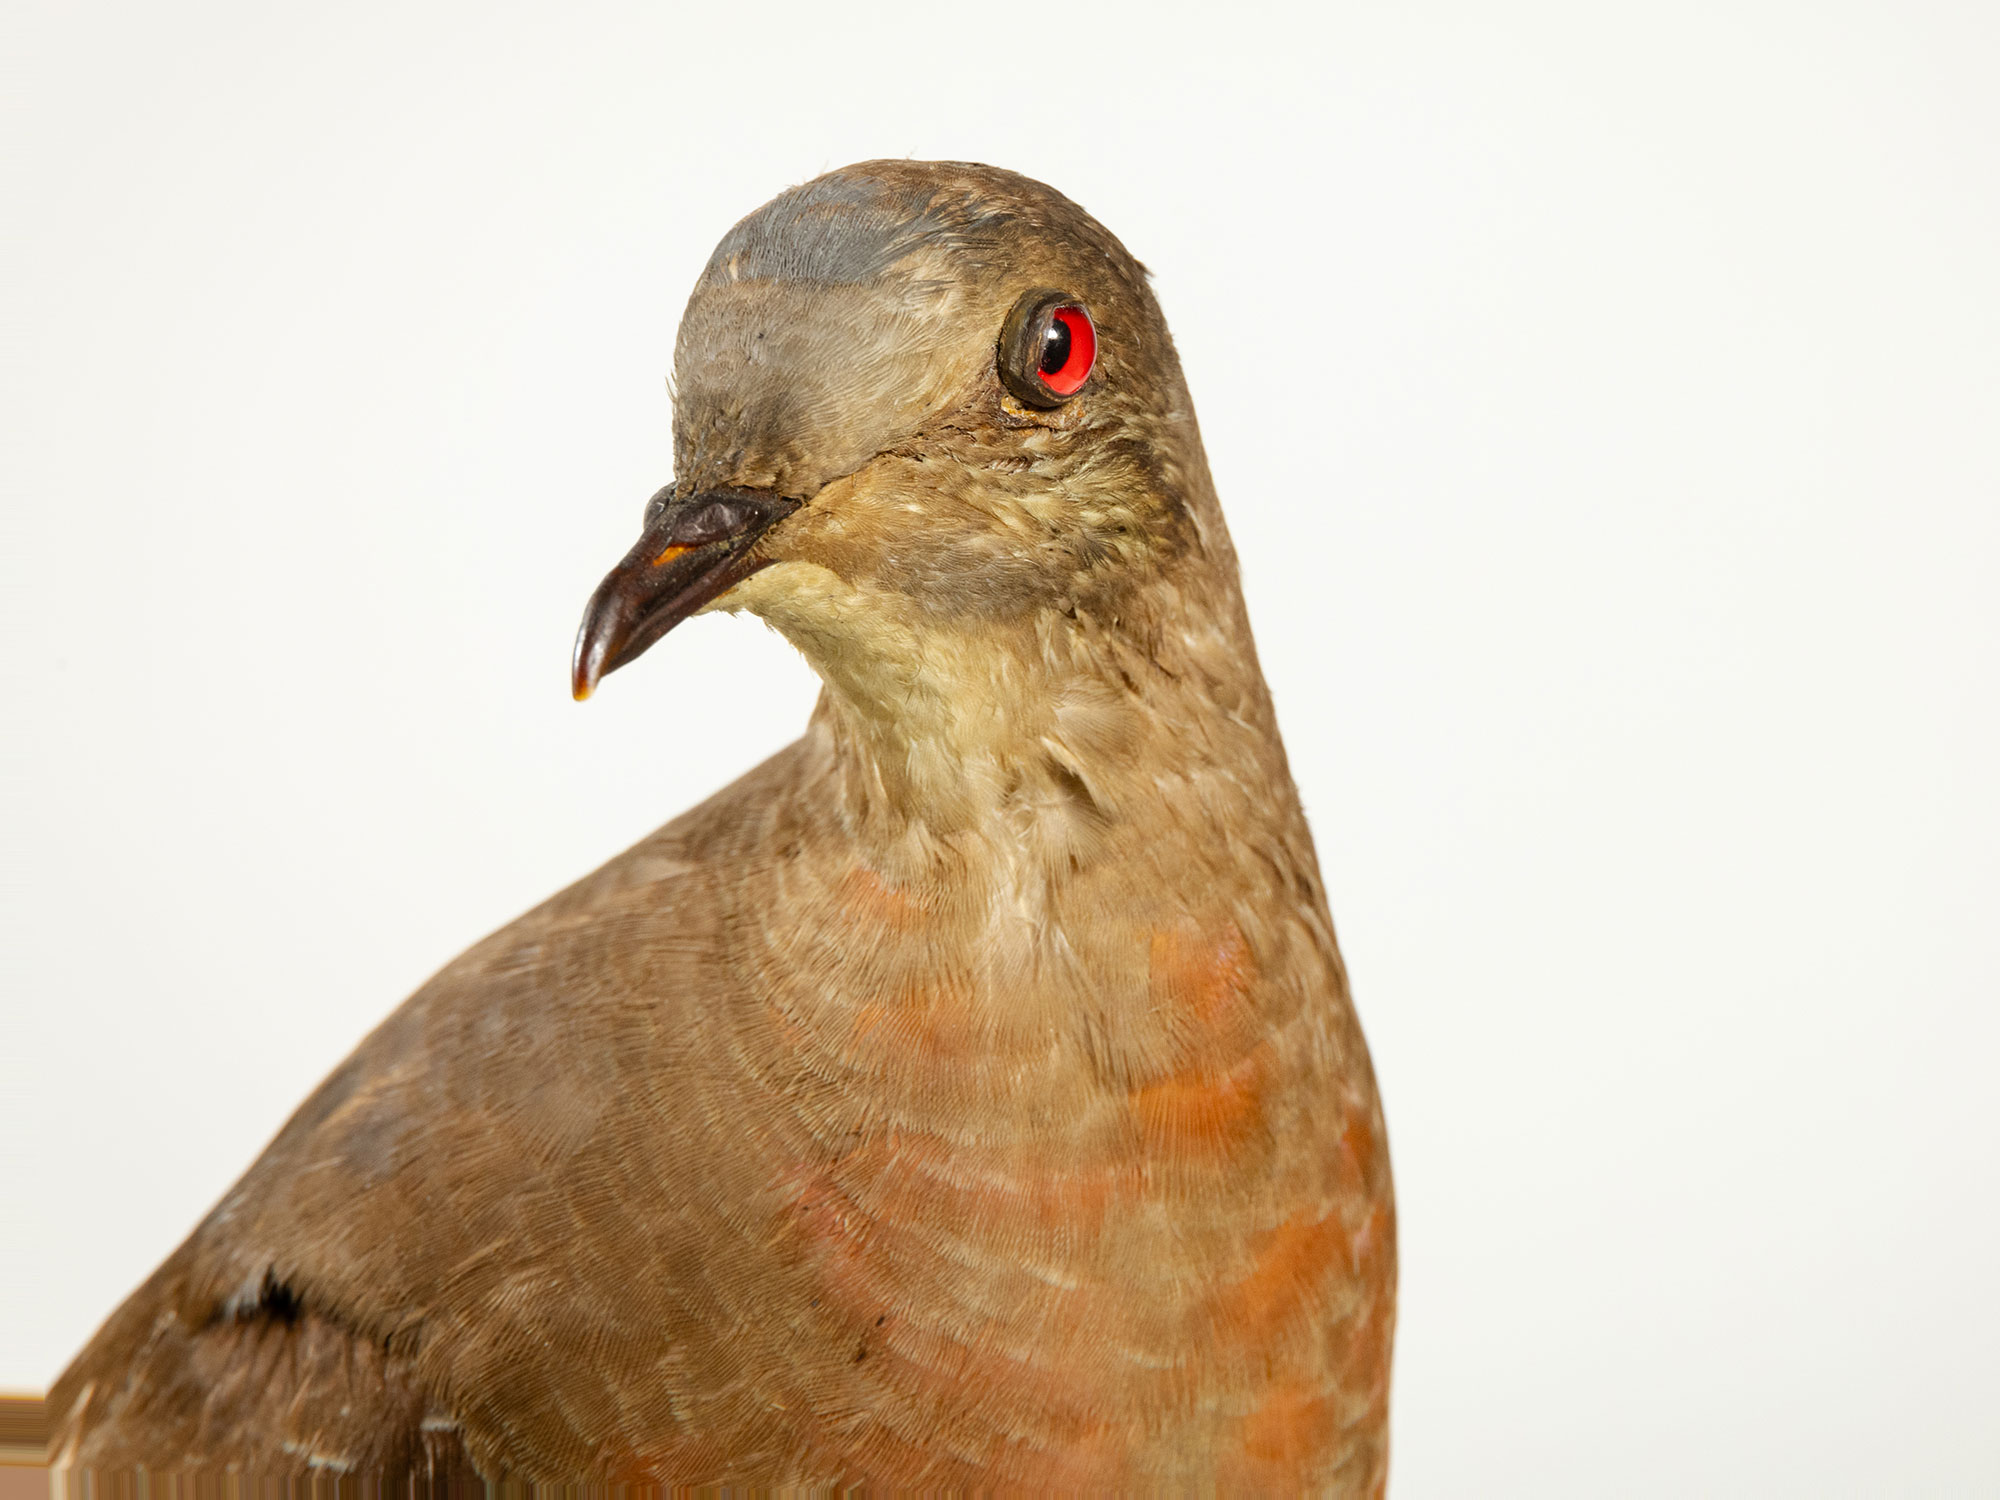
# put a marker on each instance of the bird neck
(1052, 743)
(1076, 834)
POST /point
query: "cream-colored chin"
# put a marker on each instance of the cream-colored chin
(959, 722)
(915, 677)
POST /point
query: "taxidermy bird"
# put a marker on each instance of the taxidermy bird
(969, 1096)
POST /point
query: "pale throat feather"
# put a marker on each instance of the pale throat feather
(1009, 766)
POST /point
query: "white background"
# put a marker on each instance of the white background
(1606, 400)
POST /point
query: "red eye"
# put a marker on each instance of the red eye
(1069, 349)
(1048, 348)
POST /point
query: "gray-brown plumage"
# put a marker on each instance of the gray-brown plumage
(970, 1095)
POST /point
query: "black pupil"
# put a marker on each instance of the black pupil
(1055, 346)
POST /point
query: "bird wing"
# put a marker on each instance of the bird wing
(500, 1192)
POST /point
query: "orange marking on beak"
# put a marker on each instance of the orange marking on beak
(673, 551)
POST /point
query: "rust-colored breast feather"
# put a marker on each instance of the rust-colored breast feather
(593, 1204)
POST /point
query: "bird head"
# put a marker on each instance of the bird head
(930, 426)
(914, 403)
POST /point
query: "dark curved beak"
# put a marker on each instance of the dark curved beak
(691, 551)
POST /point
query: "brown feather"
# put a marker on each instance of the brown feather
(968, 1096)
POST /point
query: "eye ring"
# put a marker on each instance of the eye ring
(1048, 348)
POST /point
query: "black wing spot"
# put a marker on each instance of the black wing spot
(275, 1300)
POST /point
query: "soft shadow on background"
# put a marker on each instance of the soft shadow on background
(1608, 413)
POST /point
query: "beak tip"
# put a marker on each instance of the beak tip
(690, 553)
(585, 666)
